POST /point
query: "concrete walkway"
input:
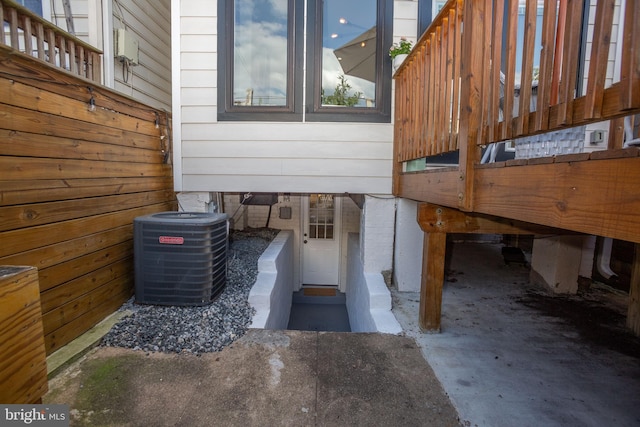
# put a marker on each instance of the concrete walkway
(267, 378)
(509, 355)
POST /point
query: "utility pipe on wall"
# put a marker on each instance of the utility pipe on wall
(603, 260)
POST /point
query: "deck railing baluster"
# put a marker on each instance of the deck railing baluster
(34, 36)
(433, 94)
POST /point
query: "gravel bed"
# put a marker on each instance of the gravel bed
(173, 329)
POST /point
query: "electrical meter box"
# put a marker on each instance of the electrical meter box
(126, 47)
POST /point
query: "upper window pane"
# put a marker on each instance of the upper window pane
(348, 67)
(260, 53)
(260, 59)
(34, 6)
(349, 47)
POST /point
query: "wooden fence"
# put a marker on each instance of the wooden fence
(78, 162)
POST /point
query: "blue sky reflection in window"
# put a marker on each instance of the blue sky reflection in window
(34, 6)
(260, 52)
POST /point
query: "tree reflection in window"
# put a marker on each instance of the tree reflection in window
(349, 53)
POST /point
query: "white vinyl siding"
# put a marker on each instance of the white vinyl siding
(149, 21)
(613, 61)
(265, 156)
(287, 157)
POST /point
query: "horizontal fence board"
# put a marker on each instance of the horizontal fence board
(72, 181)
(22, 240)
(23, 144)
(27, 120)
(15, 168)
(72, 291)
(72, 310)
(58, 253)
(61, 336)
(33, 98)
(21, 216)
(46, 190)
(76, 270)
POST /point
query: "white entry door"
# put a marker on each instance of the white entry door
(321, 240)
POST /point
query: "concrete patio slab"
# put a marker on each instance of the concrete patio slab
(511, 355)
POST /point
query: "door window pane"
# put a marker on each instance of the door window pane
(349, 53)
(260, 52)
(321, 212)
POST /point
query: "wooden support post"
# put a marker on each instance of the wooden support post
(433, 258)
(436, 221)
(633, 313)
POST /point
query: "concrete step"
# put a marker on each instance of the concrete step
(319, 296)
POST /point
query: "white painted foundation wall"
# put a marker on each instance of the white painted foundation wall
(272, 293)
(407, 269)
(368, 298)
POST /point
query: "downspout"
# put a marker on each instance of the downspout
(107, 44)
(628, 134)
(629, 141)
(603, 259)
(490, 153)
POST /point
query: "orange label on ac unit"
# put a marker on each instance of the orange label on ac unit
(171, 240)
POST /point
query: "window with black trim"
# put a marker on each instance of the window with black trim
(348, 66)
(260, 60)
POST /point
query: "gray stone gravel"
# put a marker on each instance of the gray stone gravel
(173, 329)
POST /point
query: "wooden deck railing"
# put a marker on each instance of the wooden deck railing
(457, 89)
(428, 90)
(28, 33)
